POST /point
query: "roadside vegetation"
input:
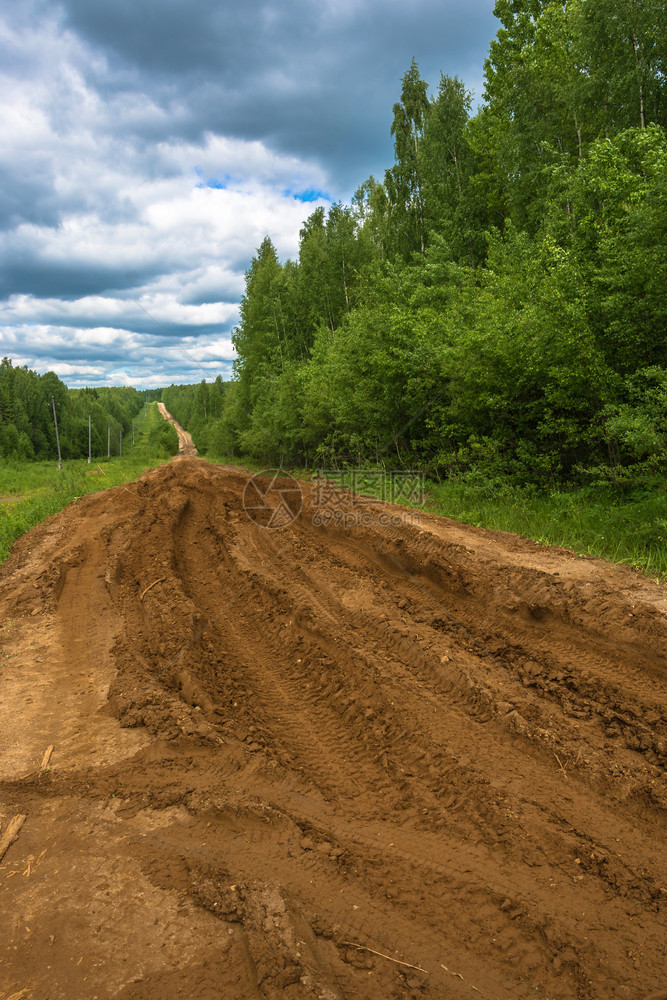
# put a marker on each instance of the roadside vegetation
(32, 491)
(628, 529)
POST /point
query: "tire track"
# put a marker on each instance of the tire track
(360, 754)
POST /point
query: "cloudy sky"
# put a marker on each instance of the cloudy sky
(148, 146)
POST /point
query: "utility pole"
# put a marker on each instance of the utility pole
(133, 433)
(89, 440)
(109, 441)
(55, 420)
(120, 446)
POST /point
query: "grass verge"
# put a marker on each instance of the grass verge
(629, 529)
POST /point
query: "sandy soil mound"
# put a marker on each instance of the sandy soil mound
(382, 760)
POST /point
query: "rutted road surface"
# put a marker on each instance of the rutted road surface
(396, 760)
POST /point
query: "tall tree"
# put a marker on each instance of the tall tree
(625, 47)
(448, 165)
(405, 180)
(372, 210)
(259, 337)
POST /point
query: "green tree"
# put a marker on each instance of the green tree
(452, 210)
(259, 338)
(404, 182)
(616, 224)
(372, 211)
(624, 43)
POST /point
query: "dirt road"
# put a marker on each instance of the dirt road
(382, 761)
(186, 446)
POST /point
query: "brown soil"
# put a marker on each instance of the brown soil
(378, 761)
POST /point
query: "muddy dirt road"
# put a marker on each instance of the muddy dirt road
(392, 760)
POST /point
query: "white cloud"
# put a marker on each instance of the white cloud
(125, 210)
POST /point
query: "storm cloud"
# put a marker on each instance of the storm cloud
(148, 146)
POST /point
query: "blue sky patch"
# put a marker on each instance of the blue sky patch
(212, 182)
(310, 194)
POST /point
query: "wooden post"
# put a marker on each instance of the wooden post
(11, 833)
(108, 441)
(89, 440)
(120, 446)
(55, 420)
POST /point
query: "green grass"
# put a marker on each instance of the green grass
(629, 529)
(32, 491)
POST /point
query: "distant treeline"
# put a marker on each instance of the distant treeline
(26, 415)
(498, 301)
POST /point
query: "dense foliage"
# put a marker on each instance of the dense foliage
(27, 428)
(497, 301)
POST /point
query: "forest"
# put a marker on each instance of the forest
(27, 428)
(496, 303)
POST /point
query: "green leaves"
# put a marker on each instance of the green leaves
(617, 229)
(404, 181)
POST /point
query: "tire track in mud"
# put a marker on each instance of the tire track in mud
(280, 692)
(438, 744)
